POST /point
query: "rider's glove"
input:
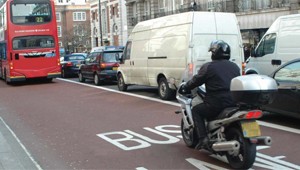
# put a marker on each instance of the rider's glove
(184, 90)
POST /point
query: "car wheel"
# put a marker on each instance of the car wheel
(164, 91)
(121, 84)
(96, 79)
(80, 77)
(63, 73)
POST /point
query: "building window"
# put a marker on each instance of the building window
(58, 18)
(113, 11)
(59, 31)
(79, 16)
(60, 1)
(93, 15)
(104, 22)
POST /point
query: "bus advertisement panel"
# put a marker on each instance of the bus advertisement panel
(28, 40)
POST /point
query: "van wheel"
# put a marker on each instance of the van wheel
(80, 77)
(96, 79)
(164, 91)
(121, 84)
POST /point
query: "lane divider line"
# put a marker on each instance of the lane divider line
(266, 124)
(21, 144)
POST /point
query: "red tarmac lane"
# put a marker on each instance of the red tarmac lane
(70, 126)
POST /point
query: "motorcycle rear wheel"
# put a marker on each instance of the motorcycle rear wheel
(189, 136)
(247, 153)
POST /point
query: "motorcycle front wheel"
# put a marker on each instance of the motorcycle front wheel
(189, 136)
(245, 158)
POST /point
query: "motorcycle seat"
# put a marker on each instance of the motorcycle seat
(227, 112)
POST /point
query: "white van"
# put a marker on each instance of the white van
(281, 43)
(159, 50)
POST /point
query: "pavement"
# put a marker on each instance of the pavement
(13, 154)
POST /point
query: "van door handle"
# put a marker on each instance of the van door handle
(201, 60)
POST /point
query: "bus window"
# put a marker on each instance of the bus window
(37, 13)
(33, 42)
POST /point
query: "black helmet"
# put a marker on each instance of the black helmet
(220, 50)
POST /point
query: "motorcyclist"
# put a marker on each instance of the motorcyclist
(216, 75)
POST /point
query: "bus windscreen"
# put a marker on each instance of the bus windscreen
(30, 42)
(37, 13)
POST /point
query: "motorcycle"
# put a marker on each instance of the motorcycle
(235, 132)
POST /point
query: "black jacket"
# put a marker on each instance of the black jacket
(216, 76)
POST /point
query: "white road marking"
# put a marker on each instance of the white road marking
(141, 168)
(277, 161)
(203, 165)
(271, 125)
(21, 144)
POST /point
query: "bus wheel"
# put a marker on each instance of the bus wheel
(48, 80)
(4, 76)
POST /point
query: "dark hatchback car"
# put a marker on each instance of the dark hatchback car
(287, 100)
(101, 65)
(70, 64)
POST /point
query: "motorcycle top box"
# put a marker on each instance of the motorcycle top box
(253, 89)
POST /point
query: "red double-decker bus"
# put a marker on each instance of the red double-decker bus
(28, 40)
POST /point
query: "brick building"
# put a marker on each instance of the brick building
(73, 22)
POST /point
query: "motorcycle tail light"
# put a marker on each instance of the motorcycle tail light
(253, 114)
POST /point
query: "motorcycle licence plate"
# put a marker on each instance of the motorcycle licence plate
(250, 129)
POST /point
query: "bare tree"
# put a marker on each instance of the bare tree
(77, 39)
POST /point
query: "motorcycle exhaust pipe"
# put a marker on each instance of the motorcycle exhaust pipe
(262, 140)
(226, 146)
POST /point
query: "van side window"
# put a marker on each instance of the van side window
(127, 50)
(289, 73)
(266, 46)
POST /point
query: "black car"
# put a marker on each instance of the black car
(70, 64)
(287, 100)
(101, 65)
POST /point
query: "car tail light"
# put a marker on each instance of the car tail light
(191, 67)
(69, 64)
(103, 65)
(253, 114)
